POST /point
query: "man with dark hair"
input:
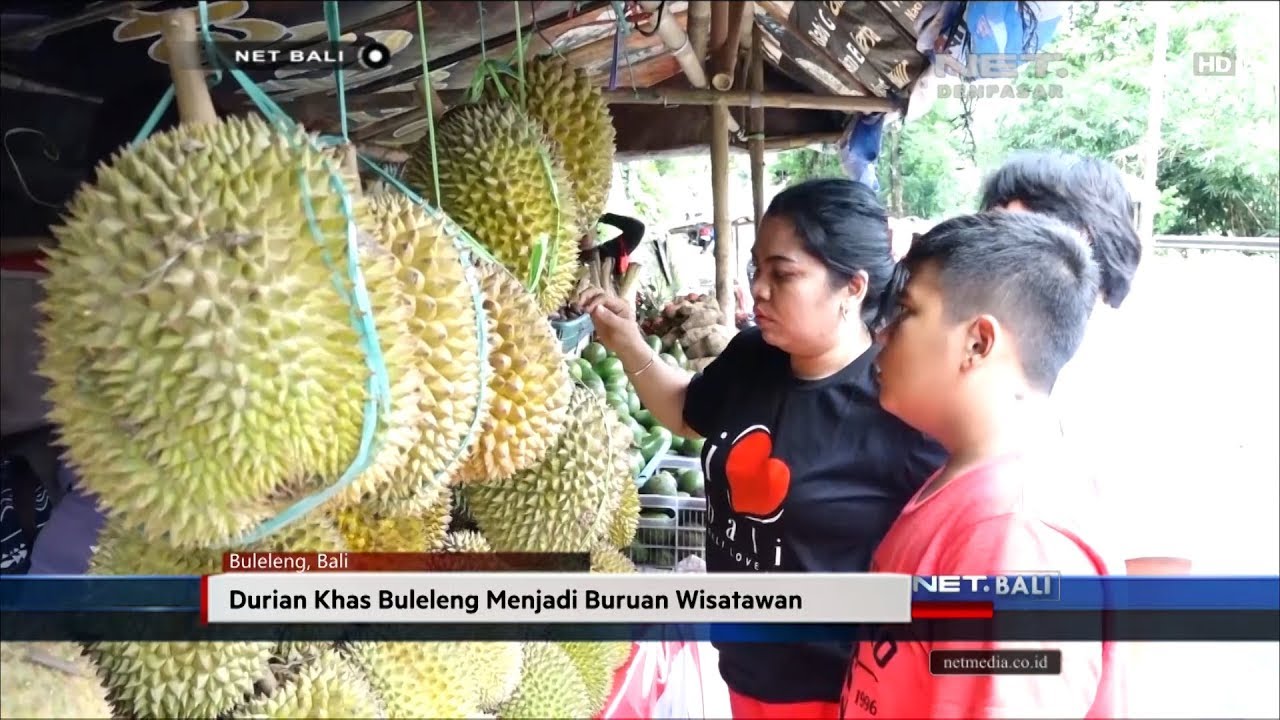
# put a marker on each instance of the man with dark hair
(994, 306)
(1086, 193)
(1100, 395)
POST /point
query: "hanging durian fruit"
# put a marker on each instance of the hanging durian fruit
(596, 663)
(49, 680)
(466, 541)
(501, 179)
(324, 685)
(443, 324)
(204, 371)
(550, 686)
(499, 667)
(622, 531)
(415, 526)
(530, 382)
(576, 117)
(568, 500)
(427, 679)
(172, 679)
(610, 560)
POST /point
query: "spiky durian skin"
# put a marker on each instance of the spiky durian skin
(610, 561)
(324, 686)
(186, 679)
(49, 680)
(575, 116)
(423, 679)
(203, 370)
(567, 501)
(530, 382)
(550, 686)
(498, 669)
(451, 346)
(502, 180)
(414, 526)
(596, 663)
(622, 531)
(466, 541)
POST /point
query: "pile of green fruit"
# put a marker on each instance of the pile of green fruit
(601, 371)
(666, 534)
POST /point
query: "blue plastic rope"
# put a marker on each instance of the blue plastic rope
(335, 40)
(379, 385)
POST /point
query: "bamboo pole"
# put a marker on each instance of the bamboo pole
(195, 104)
(756, 123)
(677, 41)
(699, 26)
(719, 26)
(725, 61)
(741, 98)
(720, 205)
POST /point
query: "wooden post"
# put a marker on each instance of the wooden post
(351, 168)
(195, 104)
(719, 25)
(720, 203)
(756, 124)
(725, 61)
(744, 98)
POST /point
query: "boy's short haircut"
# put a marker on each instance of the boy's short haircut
(1032, 272)
(1083, 192)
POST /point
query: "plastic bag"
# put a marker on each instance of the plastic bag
(669, 679)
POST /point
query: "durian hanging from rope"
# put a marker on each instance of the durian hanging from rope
(577, 120)
(204, 372)
(530, 384)
(502, 180)
(567, 502)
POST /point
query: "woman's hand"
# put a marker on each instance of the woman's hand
(615, 321)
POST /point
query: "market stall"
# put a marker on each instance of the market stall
(327, 305)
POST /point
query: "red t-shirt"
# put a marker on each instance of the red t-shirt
(1007, 516)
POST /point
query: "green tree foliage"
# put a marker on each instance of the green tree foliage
(1218, 163)
(1219, 166)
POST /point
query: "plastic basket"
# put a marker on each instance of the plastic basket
(661, 543)
(574, 334)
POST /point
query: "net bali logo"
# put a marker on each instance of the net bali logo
(995, 75)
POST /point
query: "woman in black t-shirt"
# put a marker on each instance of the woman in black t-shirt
(804, 471)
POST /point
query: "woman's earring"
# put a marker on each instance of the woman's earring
(844, 311)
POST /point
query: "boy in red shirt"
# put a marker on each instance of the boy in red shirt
(995, 305)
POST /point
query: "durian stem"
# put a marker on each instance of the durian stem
(351, 167)
(195, 104)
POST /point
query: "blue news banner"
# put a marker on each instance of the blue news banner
(1046, 608)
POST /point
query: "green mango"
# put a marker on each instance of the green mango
(594, 353)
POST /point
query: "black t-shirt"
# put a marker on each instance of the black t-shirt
(801, 476)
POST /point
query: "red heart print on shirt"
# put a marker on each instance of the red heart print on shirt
(758, 483)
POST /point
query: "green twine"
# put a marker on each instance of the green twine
(427, 93)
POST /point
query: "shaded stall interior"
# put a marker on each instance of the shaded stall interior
(680, 77)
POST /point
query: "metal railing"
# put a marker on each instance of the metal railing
(1217, 242)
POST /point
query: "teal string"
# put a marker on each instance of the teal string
(379, 386)
(361, 313)
(335, 40)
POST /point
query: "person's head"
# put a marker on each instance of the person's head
(1086, 193)
(821, 259)
(994, 304)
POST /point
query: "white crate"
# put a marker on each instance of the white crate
(661, 543)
